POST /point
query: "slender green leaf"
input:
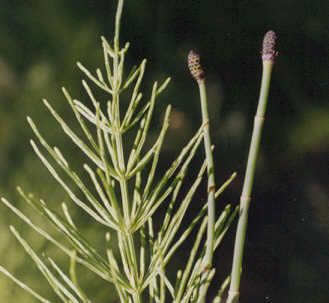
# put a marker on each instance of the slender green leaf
(103, 86)
(23, 285)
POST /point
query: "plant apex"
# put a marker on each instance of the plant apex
(193, 61)
(269, 46)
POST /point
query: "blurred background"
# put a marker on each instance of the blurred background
(287, 248)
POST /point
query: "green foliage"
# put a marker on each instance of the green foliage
(39, 42)
(122, 194)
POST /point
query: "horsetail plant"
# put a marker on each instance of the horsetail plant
(268, 57)
(199, 75)
(124, 193)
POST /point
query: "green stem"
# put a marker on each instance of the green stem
(117, 24)
(211, 176)
(116, 45)
(233, 296)
(126, 235)
(207, 264)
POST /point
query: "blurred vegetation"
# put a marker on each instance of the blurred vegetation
(287, 244)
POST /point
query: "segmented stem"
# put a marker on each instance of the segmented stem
(198, 74)
(268, 55)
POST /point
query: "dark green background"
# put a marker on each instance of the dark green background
(287, 256)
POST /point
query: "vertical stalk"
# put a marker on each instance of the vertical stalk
(116, 43)
(268, 56)
(117, 24)
(199, 76)
(211, 177)
(126, 236)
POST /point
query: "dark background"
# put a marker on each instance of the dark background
(287, 250)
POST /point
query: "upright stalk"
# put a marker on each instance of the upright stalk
(211, 177)
(268, 56)
(117, 23)
(199, 76)
(126, 235)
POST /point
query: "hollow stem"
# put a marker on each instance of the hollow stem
(199, 75)
(211, 177)
(245, 199)
(128, 252)
(117, 24)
